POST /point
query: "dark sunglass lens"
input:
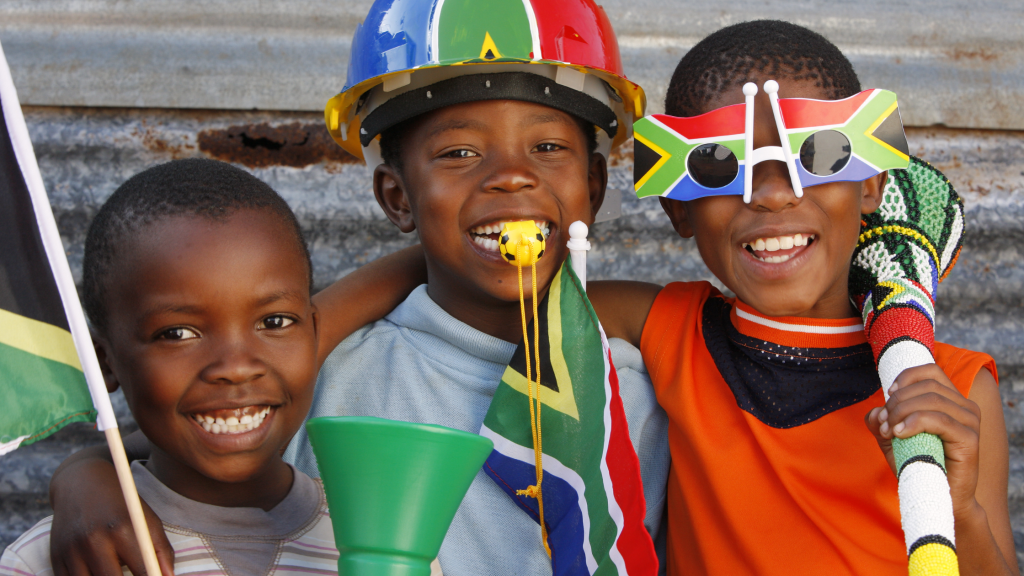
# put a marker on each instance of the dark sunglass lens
(712, 165)
(825, 153)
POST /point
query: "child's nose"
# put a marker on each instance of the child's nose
(772, 188)
(510, 175)
(233, 364)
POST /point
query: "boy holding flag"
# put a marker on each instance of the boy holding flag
(197, 281)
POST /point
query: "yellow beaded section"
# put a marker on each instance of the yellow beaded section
(902, 230)
(934, 559)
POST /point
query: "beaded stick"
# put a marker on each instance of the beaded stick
(906, 248)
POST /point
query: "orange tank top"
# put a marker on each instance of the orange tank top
(773, 469)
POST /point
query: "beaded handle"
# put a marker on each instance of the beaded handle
(906, 248)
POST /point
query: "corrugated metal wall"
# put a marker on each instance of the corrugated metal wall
(112, 87)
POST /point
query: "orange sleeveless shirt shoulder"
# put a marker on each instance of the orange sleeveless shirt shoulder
(962, 365)
(669, 326)
(748, 498)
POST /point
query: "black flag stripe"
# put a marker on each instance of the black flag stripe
(27, 286)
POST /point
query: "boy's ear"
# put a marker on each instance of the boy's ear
(871, 193)
(598, 181)
(389, 189)
(676, 210)
(101, 346)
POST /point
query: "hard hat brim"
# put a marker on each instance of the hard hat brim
(344, 122)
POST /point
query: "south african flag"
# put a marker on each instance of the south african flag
(42, 385)
(593, 499)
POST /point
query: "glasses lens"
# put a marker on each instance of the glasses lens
(825, 153)
(712, 165)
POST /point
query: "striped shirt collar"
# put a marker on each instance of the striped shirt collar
(798, 332)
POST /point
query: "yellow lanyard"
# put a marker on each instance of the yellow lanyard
(522, 244)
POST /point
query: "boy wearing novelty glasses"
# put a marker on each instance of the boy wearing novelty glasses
(767, 393)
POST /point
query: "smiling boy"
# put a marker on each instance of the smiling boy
(197, 282)
(480, 140)
(767, 392)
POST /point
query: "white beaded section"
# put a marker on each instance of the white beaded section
(954, 237)
(925, 504)
(899, 357)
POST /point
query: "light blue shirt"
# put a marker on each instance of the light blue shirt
(419, 364)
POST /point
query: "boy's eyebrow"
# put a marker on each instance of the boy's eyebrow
(457, 124)
(189, 309)
(276, 296)
(535, 119)
(171, 309)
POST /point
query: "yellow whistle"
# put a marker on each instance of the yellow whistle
(521, 243)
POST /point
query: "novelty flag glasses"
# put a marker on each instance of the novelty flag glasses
(823, 141)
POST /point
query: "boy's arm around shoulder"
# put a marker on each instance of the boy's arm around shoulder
(622, 307)
(973, 433)
(366, 295)
(92, 532)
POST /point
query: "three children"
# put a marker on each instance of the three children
(772, 470)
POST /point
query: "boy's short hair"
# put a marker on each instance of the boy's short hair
(773, 47)
(391, 140)
(193, 187)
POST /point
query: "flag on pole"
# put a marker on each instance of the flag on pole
(42, 385)
(49, 373)
(593, 499)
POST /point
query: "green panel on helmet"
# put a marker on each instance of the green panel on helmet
(474, 30)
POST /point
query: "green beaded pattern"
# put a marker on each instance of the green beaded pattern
(923, 444)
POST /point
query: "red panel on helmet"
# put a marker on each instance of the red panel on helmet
(588, 41)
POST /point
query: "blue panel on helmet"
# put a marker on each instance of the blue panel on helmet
(395, 36)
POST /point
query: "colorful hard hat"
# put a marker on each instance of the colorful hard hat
(412, 56)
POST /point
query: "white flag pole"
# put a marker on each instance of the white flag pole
(105, 420)
(578, 246)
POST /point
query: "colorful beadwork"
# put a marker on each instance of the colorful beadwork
(905, 249)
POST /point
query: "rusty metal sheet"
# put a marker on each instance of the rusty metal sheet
(955, 63)
(84, 154)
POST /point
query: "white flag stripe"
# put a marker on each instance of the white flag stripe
(613, 505)
(11, 446)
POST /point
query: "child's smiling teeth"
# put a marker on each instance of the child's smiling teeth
(486, 236)
(775, 244)
(235, 421)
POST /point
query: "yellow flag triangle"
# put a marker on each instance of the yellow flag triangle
(489, 51)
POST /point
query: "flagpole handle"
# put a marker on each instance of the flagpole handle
(131, 498)
(578, 246)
